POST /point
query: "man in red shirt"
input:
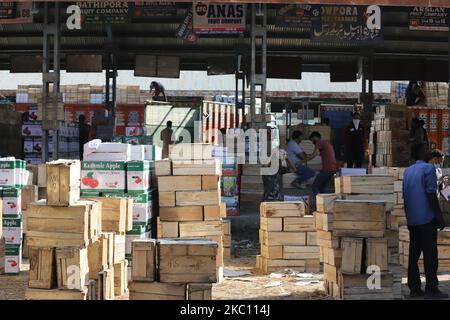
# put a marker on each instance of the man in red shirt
(328, 162)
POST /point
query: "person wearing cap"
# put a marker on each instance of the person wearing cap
(355, 142)
(296, 157)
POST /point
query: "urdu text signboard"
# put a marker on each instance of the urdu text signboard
(108, 12)
(351, 24)
(211, 18)
(16, 12)
(428, 19)
(154, 9)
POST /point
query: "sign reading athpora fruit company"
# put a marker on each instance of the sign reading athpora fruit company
(218, 18)
(428, 19)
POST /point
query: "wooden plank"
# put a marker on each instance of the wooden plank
(55, 294)
(377, 253)
(114, 214)
(167, 199)
(306, 223)
(98, 257)
(143, 267)
(282, 209)
(311, 238)
(193, 198)
(199, 291)
(332, 256)
(188, 213)
(200, 228)
(214, 212)
(42, 273)
(330, 273)
(272, 252)
(119, 248)
(29, 195)
(197, 168)
(271, 224)
(157, 291)
(191, 151)
(106, 284)
(163, 168)
(324, 221)
(300, 252)
(129, 215)
(226, 227)
(324, 202)
(389, 198)
(72, 268)
(352, 255)
(210, 183)
(120, 278)
(179, 183)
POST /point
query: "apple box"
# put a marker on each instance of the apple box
(12, 202)
(103, 176)
(138, 176)
(12, 230)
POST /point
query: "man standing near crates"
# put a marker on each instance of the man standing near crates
(424, 217)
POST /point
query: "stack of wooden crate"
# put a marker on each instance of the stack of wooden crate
(443, 242)
(173, 269)
(388, 134)
(189, 199)
(397, 214)
(226, 238)
(54, 109)
(252, 187)
(287, 237)
(69, 252)
(354, 247)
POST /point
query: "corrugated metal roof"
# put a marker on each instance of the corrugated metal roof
(196, 81)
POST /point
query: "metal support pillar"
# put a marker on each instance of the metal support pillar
(111, 74)
(258, 34)
(50, 72)
(239, 77)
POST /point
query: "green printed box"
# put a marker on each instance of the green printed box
(138, 176)
(12, 202)
(12, 230)
(103, 176)
(13, 258)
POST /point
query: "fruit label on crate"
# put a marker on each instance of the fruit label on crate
(12, 202)
(12, 230)
(103, 176)
(13, 258)
(138, 175)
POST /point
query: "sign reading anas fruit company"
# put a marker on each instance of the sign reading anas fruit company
(210, 18)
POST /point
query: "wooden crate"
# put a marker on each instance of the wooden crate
(272, 252)
(120, 278)
(272, 265)
(306, 223)
(49, 226)
(300, 252)
(354, 287)
(99, 256)
(327, 239)
(185, 261)
(163, 168)
(210, 183)
(215, 212)
(167, 229)
(332, 256)
(200, 229)
(368, 184)
(324, 221)
(42, 273)
(143, 267)
(199, 291)
(352, 255)
(283, 209)
(55, 294)
(167, 199)
(283, 238)
(179, 183)
(197, 167)
(177, 214)
(191, 151)
(355, 218)
(63, 182)
(271, 224)
(114, 214)
(72, 268)
(157, 291)
(324, 202)
(377, 253)
(29, 195)
(129, 216)
(197, 198)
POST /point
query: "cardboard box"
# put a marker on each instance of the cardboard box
(152, 152)
(12, 202)
(12, 230)
(13, 258)
(138, 176)
(137, 152)
(103, 176)
(7, 173)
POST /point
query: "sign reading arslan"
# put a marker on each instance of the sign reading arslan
(428, 19)
(218, 18)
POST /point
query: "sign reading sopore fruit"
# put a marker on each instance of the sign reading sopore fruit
(210, 18)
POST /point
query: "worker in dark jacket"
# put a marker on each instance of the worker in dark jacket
(355, 142)
(157, 91)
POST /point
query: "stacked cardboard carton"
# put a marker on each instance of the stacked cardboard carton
(12, 181)
(354, 235)
(443, 249)
(189, 195)
(174, 269)
(388, 134)
(51, 110)
(287, 237)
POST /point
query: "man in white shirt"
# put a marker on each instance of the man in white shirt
(296, 155)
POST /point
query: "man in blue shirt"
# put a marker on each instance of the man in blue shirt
(423, 216)
(296, 155)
